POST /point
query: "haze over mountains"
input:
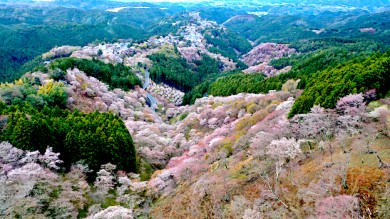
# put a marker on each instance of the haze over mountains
(329, 4)
(195, 109)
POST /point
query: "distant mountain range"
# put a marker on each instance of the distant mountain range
(332, 5)
(28, 27)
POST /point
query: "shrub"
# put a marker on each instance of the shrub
(366, 183)
(58, 74)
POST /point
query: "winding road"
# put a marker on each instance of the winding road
(149, 96)
(147, 80)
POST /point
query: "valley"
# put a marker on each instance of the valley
(195, 110)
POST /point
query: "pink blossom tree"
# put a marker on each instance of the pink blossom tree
(50, 159)
(351, 104)
(343, 206)
(352, 112)
(24, 183)
(259, 143)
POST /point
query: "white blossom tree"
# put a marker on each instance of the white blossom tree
(114, 212)
(50, 159)
(280, 151)
(105, 180)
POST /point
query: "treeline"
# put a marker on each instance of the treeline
(231, 83)
(326, 76)
(202, 89)
(323, 84)
(178, 73)
(320, 54)
(331, 50)
(356, 76)
(237, 83)
(116, 76)
(304, 66)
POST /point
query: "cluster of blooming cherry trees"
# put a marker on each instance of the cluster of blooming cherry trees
(31, 186)
(256, 128)
(206, 153)
(28, 181)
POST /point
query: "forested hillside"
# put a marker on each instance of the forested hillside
(356, 76)
(95, 138)
(290, 28)
(36, 117)
(228, 43)
(316, 56)
(116, 76)
(28, 32)
(177, 72)
(216, 109)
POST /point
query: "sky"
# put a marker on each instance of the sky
(160, 0)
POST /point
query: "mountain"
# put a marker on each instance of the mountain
(195, 110)
(272, 28)
(29, 31)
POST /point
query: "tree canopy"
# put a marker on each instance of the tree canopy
(356, 76)
(116, 76)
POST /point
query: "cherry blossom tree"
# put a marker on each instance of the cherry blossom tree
(28, 182)
(352, 112)
(50, 159)
(343, 206)
(105, 179)
(351, 104)
(318, 124)
(24, 183)
(9, 154)
(113, 212)
(283, 149)
(279, 151)
(259, 143)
